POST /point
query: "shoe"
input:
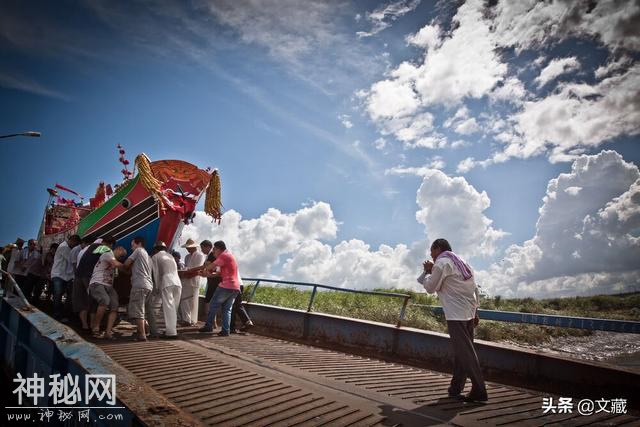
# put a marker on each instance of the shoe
(223, 334)
(170, 337)
(247, 326)
(205, 329)
(453, 393)
(234, 331)
(476, 397)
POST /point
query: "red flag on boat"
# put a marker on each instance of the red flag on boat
(63, 201)
(60, 187)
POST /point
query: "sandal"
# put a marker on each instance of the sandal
(108, 337)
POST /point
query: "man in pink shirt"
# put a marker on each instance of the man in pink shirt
(226, 268)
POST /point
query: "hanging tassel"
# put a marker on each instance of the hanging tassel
(148, 180)
(213, 198)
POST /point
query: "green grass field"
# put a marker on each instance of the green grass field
(386, 310)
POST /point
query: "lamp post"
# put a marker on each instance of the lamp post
(30, 133)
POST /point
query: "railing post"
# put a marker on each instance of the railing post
(253, 291)
(402, 311)
(313, 296)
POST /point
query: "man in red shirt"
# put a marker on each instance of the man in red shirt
(226, 268)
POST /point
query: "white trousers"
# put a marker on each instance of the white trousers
(189, 304)
(170, 300)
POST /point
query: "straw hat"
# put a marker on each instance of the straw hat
(190, 244)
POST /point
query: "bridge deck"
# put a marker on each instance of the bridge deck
(258, 381)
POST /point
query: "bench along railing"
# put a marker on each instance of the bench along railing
(316, 286)
(627, 326)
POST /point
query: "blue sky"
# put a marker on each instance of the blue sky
(387, 123)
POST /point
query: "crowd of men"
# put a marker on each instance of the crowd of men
(77, 278)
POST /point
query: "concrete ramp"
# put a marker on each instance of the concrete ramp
(253, 380)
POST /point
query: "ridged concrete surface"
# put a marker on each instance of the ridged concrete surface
(251, 380)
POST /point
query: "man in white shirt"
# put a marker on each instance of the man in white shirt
(191, 283)
(62, 275)
(166, 279)
(73, 255)
(32, 262)
(140, 299)
(15, 266)
(452, 279)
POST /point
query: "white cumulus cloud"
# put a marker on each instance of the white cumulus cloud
(260, 243)
(465, 64)
(295, 244)
(586, 240)
(576, 116)
(556, 68)
(295, 241)
(382, 17)
(428, 37)
(452, 208)
(389, 99)
(529, 23)
(467, 126)
(458, 65)
(511, 90)
(345, 119)
(353, 264)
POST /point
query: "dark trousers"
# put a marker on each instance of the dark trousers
(212, 285)
(465, 359)
(239, 310)
(21, 281)
(38, 289)
(61, 287)
(33, 288)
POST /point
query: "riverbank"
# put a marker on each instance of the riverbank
(610, 347)
(621, 350)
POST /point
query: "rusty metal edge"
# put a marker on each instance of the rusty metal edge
(147, 405)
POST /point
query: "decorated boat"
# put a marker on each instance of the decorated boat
(155, 203)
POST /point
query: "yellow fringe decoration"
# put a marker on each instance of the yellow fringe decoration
(148, 180)
(213, 198)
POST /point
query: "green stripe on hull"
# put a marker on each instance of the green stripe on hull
(95, 216)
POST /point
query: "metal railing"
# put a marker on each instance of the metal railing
(14, 289)
(315, 286)
(610, 325)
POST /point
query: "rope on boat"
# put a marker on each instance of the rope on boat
(148, 179)
(213, 198)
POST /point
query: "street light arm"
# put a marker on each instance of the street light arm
(30, 133)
